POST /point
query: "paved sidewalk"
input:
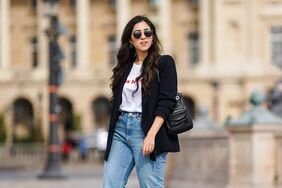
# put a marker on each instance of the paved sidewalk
(77, 175)
(83, 175)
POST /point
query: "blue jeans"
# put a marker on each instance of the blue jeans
(126, 152)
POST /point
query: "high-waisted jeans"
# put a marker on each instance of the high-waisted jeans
(126, 152)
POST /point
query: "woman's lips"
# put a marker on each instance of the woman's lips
(144, 43)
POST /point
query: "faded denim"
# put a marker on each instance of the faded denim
(126, 152)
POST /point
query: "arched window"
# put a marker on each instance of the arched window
(66, 115)
(24, 129)
(101, 111)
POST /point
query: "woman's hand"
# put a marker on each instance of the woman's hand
(148, 144)
(149, 141)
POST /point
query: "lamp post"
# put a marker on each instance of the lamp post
(52, 168)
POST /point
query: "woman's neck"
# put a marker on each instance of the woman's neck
(140, 57)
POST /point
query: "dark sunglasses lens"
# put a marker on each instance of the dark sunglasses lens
(148, 33)
(137, 34)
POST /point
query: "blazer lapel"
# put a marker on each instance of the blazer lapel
(123, 82)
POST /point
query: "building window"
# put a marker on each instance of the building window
(276, 45)
(112, 49)
(23, 121)
(72, 3)
(34, 52)
(112, 3)
(101, 110)
(154, 3)
(73, 51)
(193, 41)
(194, 3)
(34, 4)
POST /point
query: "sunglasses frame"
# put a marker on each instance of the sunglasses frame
(137, 34)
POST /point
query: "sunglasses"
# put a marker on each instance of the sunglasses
(137, 34)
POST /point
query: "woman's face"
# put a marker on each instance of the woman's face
(141, 37)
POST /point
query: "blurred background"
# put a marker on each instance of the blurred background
(56, 58)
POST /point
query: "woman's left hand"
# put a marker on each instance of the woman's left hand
(148, 145)
(149, 141)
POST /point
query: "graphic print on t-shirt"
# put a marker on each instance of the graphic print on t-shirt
(131, 99)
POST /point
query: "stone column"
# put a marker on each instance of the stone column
(4, 34)
(85, 111)
(253, 155)
(165, 25)
(43, 50)
(9, 124)
(83, 16)
(122, 17)
(205, 31)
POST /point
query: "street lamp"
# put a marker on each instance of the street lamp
(52, 168)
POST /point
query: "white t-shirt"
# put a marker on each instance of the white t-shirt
(132, 102)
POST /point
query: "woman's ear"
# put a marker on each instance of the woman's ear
(130, 44)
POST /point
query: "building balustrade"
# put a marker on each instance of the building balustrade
(22, 155)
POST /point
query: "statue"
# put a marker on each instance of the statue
(257, 114)
(202, 121)
(274, 99)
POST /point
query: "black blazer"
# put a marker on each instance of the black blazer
(159, 102)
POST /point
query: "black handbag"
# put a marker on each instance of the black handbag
(180, 119)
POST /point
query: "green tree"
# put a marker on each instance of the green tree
(76, 118)
(2, 129)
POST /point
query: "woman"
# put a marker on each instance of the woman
(144, 86)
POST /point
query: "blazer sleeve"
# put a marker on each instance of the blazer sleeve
(168, 87)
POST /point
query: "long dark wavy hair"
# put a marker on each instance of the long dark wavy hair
(127, 54)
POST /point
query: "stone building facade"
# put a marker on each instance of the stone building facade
(223, 50)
